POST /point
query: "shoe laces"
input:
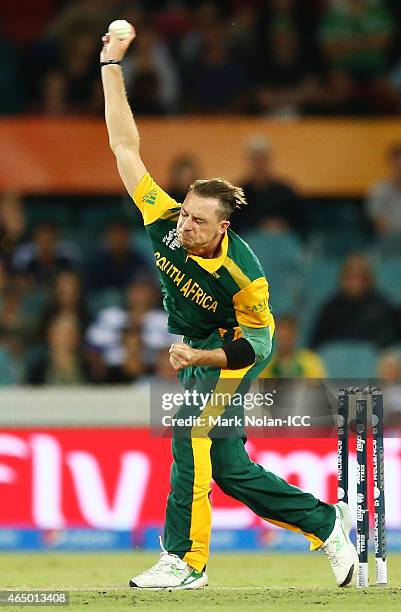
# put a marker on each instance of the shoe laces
(166, 560)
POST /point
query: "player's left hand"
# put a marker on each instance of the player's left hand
(182, 355)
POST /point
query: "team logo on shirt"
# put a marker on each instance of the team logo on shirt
(150, 197)
(171, 240)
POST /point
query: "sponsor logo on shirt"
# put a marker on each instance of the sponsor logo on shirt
(260, 307)
(150, 197)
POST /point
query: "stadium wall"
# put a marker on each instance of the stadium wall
(93, 475)
(71, 155)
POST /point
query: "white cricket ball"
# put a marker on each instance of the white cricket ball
(121, 28)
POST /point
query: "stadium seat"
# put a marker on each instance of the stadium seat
(337, 242)
(142, 244)
(96, 217)
(320, 282)
(34, 303)
(388, 279)
(388, 247)
(100, 300)
(281, 259)
(349, 359)
(10, 369)
(324, 213)
(58, 213)
(335, 228)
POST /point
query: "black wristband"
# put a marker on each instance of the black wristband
(107, 62)
(239, 353)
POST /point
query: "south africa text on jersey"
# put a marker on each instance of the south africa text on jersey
(189, 288)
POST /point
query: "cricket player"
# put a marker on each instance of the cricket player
(216, 295)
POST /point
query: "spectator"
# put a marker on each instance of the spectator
(117, 263)
(164, 371)
(151, 78)
(41, 260)
(132, 366)
(356, 36)
(287, 86)
(289, 361)
(105, 334)
(67, 299)
(71, 82)
(63, 365)
(271, 201)
(205, 16)
(357, 311)
(383, 205)
(244, 21)
(216, 80)
(287, 82)
(184, 170)
(12, 225)
(75, 14)
(15, 327)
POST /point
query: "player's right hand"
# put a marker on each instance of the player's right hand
(113, 48)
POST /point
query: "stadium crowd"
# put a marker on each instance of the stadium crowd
(79, 297)
(262, 57)
(80, 301)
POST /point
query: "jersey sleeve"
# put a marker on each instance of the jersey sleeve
(251, 305)
(152, 200)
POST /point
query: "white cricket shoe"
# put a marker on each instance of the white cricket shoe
(170, 572)
(339, 548)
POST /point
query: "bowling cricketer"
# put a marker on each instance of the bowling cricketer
(216, 296)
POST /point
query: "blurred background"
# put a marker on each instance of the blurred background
(297, 101)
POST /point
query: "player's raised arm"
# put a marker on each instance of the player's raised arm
(123, 133)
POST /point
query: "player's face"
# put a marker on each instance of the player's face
(200, 225)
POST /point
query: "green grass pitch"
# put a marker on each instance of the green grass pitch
(236, 582)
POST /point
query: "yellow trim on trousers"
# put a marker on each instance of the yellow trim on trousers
(201, 511)
(315, 542)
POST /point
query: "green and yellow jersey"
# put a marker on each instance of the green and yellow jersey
(228, 293)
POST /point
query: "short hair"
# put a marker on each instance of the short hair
(230, 196)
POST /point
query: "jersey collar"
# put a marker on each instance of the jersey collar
(213, 264)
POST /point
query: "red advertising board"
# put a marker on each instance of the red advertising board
(118, 478)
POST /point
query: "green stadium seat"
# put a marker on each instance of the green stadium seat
(337, 242)
(104, 299)
(142, 244)
(320, 282)
(60, 214)
(349, 359)
(95, 217)
(388, 247)
(10, 369)
(281, 258)
(34, 303)
(388, 279)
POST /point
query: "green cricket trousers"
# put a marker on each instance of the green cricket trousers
(199, 457)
